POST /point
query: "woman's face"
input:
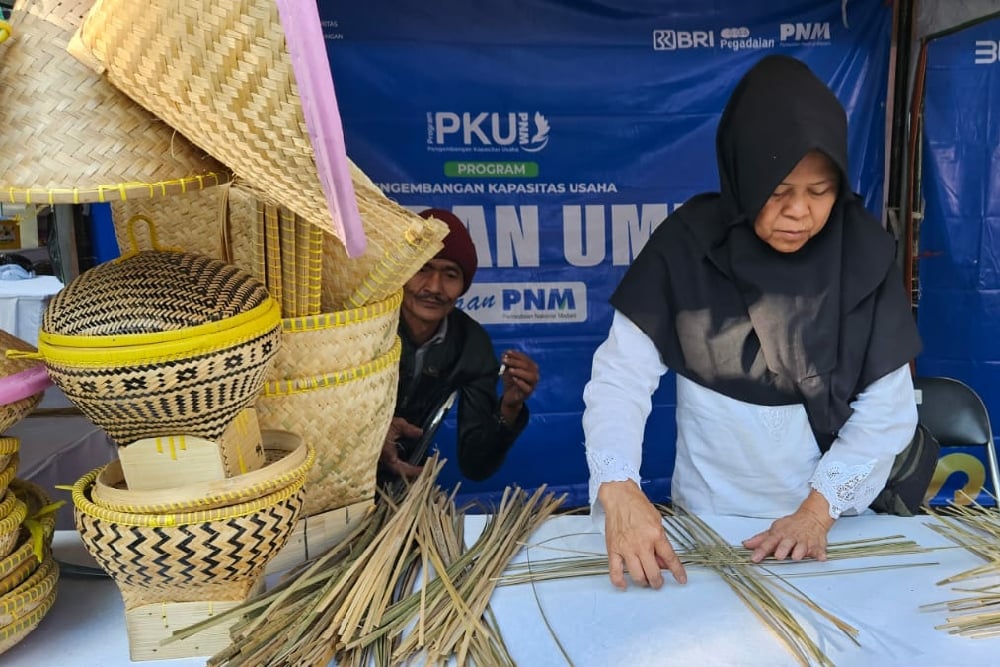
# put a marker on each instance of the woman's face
(799, 207)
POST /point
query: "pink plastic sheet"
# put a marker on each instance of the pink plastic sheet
(304, 38)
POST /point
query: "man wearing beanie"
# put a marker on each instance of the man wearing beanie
(445, 350)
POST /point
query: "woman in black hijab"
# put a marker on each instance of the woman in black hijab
(778, 303)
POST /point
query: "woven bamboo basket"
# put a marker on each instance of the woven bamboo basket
(289, 459)
(8, 472)
(161, 343)
(219, 73)
(72, 137)
(12, 512)
(345, 416)
(27, 620)
(9, 446)
(399, 243)
(22, 381)
(333, 342)
(213, 554)
(30, 594)
(32, 546)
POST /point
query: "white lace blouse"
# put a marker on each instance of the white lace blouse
(736, 458)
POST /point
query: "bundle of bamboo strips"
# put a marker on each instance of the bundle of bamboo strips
(401, 585)
(977, 529)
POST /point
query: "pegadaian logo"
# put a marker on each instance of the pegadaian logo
(509, 131)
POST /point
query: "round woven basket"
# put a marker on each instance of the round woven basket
(345, 416)
(322, 344)
(30, 549)
(72, 137)
(216, 554)
(11, 635)
(289, 459)
(9, 446)
(8, 472)
(12, 512)
(22, 381)
(30, 594)
(161, 343)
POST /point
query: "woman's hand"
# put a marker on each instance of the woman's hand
(635, 538)
(797, 536)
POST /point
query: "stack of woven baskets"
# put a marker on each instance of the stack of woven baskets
(28, 574)
(167, 352)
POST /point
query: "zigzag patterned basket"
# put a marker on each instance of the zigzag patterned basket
(215, 554)
(161, 343)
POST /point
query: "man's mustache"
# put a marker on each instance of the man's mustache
(429, 296)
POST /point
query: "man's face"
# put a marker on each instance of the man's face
(800, 206)
(430, 294)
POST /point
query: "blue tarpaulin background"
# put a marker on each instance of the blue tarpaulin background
(562, 133)
(959, 242)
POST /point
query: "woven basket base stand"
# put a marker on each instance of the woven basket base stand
(149, 624)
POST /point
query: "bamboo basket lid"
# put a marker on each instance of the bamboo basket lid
(72, 137)
(221, 74)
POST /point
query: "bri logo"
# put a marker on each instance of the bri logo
(485, 131)
(672, 40)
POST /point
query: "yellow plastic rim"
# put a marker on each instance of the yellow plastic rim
(9, 445)
(61, 348)
(300, 385)
(342, 317)
(82, 490)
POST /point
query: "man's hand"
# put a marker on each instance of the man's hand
(797, 536)
(635, 538)
(389, 458)
(519, 378)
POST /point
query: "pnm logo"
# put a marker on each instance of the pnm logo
(671, 40)
(804, 32)
(488, 131)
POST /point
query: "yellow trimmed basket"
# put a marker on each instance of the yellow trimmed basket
(161, 343)
(289, 459)
(22, 609)
(345, 416)
(322, 344)
(215, 554)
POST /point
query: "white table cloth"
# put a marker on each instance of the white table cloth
(701, 623)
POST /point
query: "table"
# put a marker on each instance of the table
(22, 303)
(701, 623)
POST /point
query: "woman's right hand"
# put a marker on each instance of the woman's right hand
(635, 538)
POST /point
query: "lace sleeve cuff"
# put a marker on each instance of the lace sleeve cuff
(845, 487)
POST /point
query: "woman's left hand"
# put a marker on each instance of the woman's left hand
(797, 536)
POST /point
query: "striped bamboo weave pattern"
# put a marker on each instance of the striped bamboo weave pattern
(69, 135)
(30, 594)
(186, 558)
(330, 342)
(161, 343)
(12, 512)
(11, 635)
(345, 416)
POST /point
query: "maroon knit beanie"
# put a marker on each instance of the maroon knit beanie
(458, 246)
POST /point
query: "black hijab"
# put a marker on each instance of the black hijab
(727, 311)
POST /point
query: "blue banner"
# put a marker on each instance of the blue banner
(562, 133)
(958, 309)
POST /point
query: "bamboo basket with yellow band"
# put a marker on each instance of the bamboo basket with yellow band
(22, 382)
(22, 609)
(289, 459)
(161, 343)
(13, 512)
(345, 416)
(28, 575)
(331, 342)
(9, 447)
(213, 554)
(69, 135)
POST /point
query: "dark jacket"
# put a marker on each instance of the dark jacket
(464, 360)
